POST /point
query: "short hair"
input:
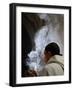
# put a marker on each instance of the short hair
(53, 48)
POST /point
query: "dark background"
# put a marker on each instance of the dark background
(31, 23)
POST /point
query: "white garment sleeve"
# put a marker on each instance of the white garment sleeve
(52, 69)
(43, 72)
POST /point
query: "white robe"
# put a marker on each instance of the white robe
(54, 66)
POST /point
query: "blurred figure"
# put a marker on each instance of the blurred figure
(54, 62)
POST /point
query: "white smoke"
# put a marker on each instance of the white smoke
(34, 60)
(51, 32)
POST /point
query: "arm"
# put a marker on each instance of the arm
(43, 72)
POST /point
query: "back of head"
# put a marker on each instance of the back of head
(53, 48)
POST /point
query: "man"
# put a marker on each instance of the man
(54, 62)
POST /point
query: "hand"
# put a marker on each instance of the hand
(32, 73)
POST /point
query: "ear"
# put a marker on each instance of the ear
(50, 54)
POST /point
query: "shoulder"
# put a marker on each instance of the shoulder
(52, 66)
(54, 69)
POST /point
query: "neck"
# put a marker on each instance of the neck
(48, 59)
